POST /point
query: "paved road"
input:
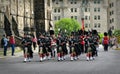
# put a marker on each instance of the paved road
(105, 63)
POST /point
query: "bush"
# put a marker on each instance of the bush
(117, 34)
(101, 36)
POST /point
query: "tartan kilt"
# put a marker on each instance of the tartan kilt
(59, 49)
(72, 49)
(89, 49)
(25, 50)
(42, 50)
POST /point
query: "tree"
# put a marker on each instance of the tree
(66, 25)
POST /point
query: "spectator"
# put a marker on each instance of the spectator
(5, 45)
(12, 44)
(105, 41)
(110, 32)
(113, 42)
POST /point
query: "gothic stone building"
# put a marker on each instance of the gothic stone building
(20, 16)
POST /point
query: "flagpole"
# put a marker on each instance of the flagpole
(82, 15)
(83, 6)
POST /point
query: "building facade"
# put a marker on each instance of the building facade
(94, 12)
(114, 14)
(20, 16)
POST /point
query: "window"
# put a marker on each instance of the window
(48, 2)
(58, 10)
(58, 17)
(71, 17)
(86, 25)
(95, 17)
(113, 27)
(98, 1)
(71, 9)
(75, 9)
(94, 1)
(112, 19)
(98, 17)
(57, 2)
(76, 17)
(55, 18)
(61, 0)
(94, 9)
(112, 4)
(86, 17)
(98, 9)
(95, 25)
(55, 10)
(73, 1)
(112, 12)
(85, 9)
(99, 25)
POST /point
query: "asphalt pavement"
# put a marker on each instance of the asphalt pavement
(105, 63)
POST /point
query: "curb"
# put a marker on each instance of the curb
(18, 52)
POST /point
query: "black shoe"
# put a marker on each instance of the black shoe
(13, 55)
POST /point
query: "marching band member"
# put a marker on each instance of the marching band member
(27, 48)
(53, 46)
(72, 48)
(59, 48)
(41, 44)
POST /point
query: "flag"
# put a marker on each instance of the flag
(7, 26)
(83, 28)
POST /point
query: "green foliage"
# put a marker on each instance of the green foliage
(66, 24)
(117, 34)
(101, 36)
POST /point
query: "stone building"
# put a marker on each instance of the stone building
(20, 16)
(94, 12)
(114, 14)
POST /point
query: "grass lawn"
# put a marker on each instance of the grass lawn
(117, 48)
